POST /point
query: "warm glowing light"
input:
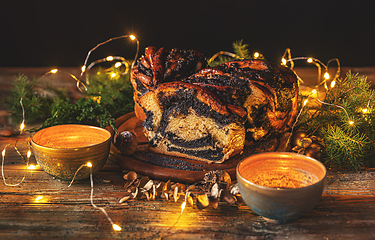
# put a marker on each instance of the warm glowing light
(132, 37)
(364, 110)
(314, 91)
(309, 60)
(31, 167)
(283, 61)
(54, 71)
(118, 64)
(305, 102)
(28, 154)
(326, 75)
(116, 227)
(109, 58)
(89, 164)
(351, 122)
(333, 83)
(22, 126)
(83, 68)
(183, 205)
(3, 153)
(113, 75)
(38, 198)
(256, 55)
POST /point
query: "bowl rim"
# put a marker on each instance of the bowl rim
(283, 189)
(76, 125)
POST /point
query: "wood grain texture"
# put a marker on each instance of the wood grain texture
(346, 209)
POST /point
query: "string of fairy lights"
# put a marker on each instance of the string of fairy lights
(82, 88)
(286, 60)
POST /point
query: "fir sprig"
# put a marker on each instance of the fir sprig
(109, 96)
(241, 49)
(85, 111)
(37, 106)
(348, 135)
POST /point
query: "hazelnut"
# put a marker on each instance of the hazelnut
(126, 142)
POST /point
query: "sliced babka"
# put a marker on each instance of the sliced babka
(210, 114)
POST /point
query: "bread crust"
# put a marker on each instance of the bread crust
(254, 101)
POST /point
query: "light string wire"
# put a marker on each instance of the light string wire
(122, 61)
(84, 88)
(222, 53)
(132, 37)
(3, 153)
(287, 58)
(89, 165)
(114, 226)
(2, 169)
(53, 71)
(183, 206)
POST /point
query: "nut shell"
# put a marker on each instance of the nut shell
(126, 142)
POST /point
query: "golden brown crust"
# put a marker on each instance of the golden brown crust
(203, 94)
(262, 94)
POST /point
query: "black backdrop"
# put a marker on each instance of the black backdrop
(60, 33)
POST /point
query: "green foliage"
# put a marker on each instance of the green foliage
(109, 95)
(345, 145)
(113, 90)
(85, 111)
(37, 107)
(240, 49)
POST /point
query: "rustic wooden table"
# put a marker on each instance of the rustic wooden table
(345, 211)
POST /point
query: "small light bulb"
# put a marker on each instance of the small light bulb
(364, 110)
(54, 71)
(118, 64)
(113, 75)
(256, 55)
(333, 83)
(109, 58)
(326, 75)
(351, 122)
(314, 91)
(132, 37)
(183, 205)
(89, 164)
(22, 126)
(83, 68)
(31, 167)
(305, 102)
(28, 154)
(283, 61)
(309, 60)
(3, 153)
(116, 227)
(38, 198)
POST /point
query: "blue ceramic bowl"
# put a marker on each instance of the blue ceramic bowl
(281, 186)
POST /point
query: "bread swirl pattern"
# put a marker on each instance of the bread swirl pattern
(211, 114)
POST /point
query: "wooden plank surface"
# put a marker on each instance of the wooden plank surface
(346, 210)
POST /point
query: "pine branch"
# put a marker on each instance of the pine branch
(346, 144)
(241, 50)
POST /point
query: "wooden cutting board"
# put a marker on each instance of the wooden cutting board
(164, 167)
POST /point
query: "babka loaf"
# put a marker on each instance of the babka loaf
(186, 120)
(210, 114)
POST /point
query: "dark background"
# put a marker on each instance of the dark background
(60, 33)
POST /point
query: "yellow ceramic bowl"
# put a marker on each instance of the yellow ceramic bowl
(281, 186)
(61, 150)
